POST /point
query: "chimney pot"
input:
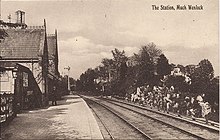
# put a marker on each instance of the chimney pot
(20, 17)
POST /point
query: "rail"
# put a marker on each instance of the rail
(196, 121)
(119, 116)
(111, 136)
(185, 130)
(165, 123)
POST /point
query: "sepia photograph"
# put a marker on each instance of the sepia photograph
(109, 69)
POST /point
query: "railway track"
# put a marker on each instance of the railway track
(152, 127)
(213, 126)
(115, 125)
(196, 130)
(107, 134)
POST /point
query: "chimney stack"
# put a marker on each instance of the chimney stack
(20, 17)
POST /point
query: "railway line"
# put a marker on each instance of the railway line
(213, 126)
(199, 131)
(153, 125)
(200, 123)
(114, 126)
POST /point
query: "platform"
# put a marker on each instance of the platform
(70, 119)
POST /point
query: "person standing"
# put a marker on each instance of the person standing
(206, 110)
(132, 97)
(138, 91)
(54, 99)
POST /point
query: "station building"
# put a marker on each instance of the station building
(28, 65)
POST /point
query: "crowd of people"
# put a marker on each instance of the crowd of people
(170, 100)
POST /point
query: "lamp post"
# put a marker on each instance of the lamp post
(68, 79)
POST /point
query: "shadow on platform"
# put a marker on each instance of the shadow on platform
(67, 100)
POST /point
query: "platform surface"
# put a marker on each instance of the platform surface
(70, 119)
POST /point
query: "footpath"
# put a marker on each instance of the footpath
(70, 119)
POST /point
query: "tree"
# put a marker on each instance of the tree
(79, 85)
(206, 69)
(118, 72)
(152, 51)
(178, 82)
(119, 58)
(105, 70)
(146, 61)
(87, 80)
(163, 67)
(212, 95)
(123, 71)
(145, 68)
(181, 67)
(202, 76)
(72, 83)
(190, 69)
(112, 73)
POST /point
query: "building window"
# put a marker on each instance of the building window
(25, 79)
(4, 77)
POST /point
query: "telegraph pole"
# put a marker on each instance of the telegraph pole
(68, 79)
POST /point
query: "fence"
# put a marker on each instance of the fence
(7, 107)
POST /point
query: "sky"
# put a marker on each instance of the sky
(89, 29)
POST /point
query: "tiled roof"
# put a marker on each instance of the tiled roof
(51, 43)
(22, 44)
